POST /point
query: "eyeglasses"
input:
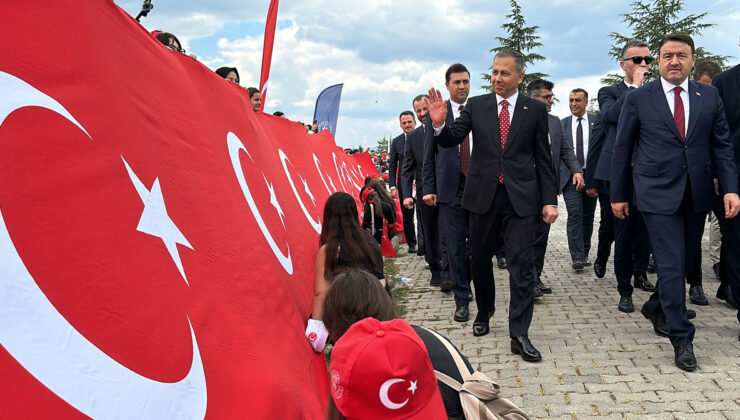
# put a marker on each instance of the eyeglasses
(174, 48)
(545, 97)
(638, 60)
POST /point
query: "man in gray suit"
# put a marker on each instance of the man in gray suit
(578, 128)
(568, 172)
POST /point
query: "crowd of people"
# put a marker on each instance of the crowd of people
(483, 174)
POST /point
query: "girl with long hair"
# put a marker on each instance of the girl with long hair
(379, 207)
(343, 243)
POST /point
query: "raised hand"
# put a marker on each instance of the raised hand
(437, 107)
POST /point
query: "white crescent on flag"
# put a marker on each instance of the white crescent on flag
(315, 224)
(54, 352)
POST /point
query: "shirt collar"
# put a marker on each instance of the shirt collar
(511, 99)
(668, 86)
(456, 106)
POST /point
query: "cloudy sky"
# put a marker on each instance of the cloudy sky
(386, 52)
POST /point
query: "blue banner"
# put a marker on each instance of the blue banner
(327, 108)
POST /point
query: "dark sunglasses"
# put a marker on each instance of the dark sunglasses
(638, 60)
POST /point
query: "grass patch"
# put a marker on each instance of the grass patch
(400, 294)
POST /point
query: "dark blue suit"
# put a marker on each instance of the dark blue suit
(580, 206)
(429, 215)
(672, 184)
(631, 242)
(397, 148)
(565, 164)
(728, 86)
(441, 175)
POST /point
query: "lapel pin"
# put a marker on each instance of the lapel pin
(698, 93)
(526, 107)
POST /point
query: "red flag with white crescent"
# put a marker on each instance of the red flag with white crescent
(157, 240)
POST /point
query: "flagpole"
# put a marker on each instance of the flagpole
(267, 49)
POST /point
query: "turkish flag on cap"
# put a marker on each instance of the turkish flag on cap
(157, 237)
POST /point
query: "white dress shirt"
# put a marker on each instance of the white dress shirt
(512, 103)
(586, 131)
(455, 114)
(670, 97)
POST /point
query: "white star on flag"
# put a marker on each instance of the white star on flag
(274, 201)
(307, 190)
(413, 387)
(155, 221)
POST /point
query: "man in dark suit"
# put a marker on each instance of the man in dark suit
(443, 184)
(631, 242)
(510, 181)
(578, 128)
(672, 137)
(728, 86)
(411, 173)
(398, 146)
(567, 172)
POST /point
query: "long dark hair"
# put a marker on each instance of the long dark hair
(385, 197)
(353, 295)
(342, 228)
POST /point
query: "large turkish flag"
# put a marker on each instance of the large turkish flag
(157, 237)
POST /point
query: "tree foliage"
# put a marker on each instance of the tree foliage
(650, 21)
(520, 38)
(383, 145)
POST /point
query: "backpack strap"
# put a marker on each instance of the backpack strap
(479, 395)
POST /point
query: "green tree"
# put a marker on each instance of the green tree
(650, 21)
(520, 38)
(383, 145)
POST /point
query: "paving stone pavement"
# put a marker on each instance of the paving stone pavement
(597, 361)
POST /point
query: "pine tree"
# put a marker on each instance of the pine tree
(650, 21)
(521, 38)
(383, 145)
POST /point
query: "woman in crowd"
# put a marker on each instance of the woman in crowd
(229, 73)
(256, 97)
(379, 207)
(354, 295)
(343, 243)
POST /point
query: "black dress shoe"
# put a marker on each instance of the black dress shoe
(586, 262)
(412, 250)
(690, 313)
(537, 292)
(660, 325)
(501, 263)
(480, 325)
(545, 289)
(625, 304)
(651, 267)
(436, 279)
(578, 265)
(420, 251)
(445, 285)
(599, 268)
(697, 296)
(725, 294)
(521, 345)
(462, 313)
(642, 282)
(685, 358)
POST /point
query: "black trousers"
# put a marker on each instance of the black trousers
(631, 249)
(606, 228)
(429, 216)
(408, 222)
(518, 233)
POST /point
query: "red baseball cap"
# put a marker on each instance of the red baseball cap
(381, 370)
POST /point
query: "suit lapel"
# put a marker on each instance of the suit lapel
(491, 108)
(660, 103)
(520, 114)
(569, 129)
(695, 103)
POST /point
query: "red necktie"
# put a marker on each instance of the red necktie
(503, 123)
(464, 152)
(679, 116)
